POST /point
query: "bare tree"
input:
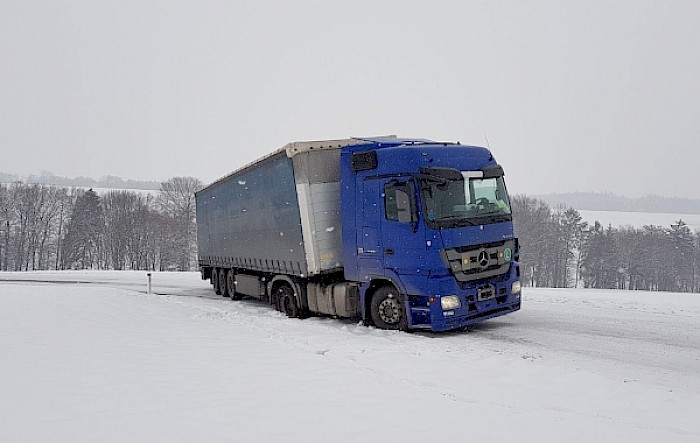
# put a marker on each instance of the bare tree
(128, 220)
(176, 201)
(5, 223)
(533, 227)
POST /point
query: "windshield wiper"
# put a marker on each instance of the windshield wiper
(495, 217)
(480, 219)
(455, 220)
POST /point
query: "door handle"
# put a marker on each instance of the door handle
(389, 251)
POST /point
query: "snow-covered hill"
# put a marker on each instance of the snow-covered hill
(89, 356)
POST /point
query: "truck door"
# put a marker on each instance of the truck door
(369, 221)
(390, 236)
(403, 238)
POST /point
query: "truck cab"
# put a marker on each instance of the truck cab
(427, 234)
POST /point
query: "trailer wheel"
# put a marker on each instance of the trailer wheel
(215, 282)
(222, 282)
(290, 307)
(275, 299)
(223, 290)
(387, 309)
(287, 301)
(231, 286)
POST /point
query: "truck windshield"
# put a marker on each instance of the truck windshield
(470, 200)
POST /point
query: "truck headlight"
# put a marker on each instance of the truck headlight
(516, 288)
(450, 302)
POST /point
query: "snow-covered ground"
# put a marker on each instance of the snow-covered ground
(89, 356)
(640, 219)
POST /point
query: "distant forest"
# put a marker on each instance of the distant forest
(53, 227)
(559, 249)
(588, 201)
(108, 181)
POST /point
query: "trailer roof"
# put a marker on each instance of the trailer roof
(294, 148)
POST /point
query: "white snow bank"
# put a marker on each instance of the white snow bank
(101, 360)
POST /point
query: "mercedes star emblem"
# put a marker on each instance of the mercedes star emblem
(483, 259)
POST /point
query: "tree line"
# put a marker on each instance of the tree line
(46, 227)
(559, 249)
(107, 181)
(595, 201)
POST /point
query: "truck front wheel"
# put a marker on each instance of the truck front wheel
(387, 309)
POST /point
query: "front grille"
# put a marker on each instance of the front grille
(462, 249)
(479, 262)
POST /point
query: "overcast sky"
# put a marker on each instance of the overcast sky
(597, 96)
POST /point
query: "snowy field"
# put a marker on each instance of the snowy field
(640, 219)
(89, 356)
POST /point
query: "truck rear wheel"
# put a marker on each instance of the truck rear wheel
(289, 305)
(387, 309)
(223, 286)
(286, 301)
(275, 299)
(231, 286)
(215, 281)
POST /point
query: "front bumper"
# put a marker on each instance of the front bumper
(476, 305)
(457, 321)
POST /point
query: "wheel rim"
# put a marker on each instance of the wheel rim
(390, 310)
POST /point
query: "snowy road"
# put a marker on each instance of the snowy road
(89, 356)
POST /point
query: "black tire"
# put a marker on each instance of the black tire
(388, 309)
(215, 281)
(287, 301)
(217, 286)
(223, 287)
(290, 307)
(275, 299)
(231, 286)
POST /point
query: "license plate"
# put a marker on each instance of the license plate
(485, 294)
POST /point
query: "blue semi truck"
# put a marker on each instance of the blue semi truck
(403, 233)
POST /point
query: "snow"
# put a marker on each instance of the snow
(90, 356)
(640, 219)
